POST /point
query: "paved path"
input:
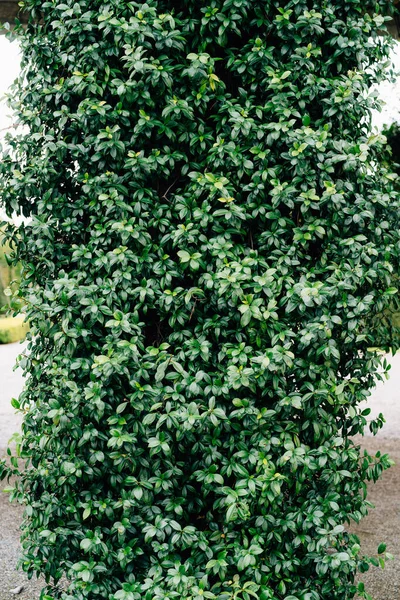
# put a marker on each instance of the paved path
(11, 383)
(385, 398)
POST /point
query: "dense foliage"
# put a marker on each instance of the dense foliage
(212, 237)
(391, 315)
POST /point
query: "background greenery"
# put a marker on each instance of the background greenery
(213, 241)
(8, 272)
(12, 329)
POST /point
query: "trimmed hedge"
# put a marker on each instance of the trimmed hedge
(12, 329)
(212, 240)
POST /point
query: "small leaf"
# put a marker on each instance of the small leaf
(381, 548)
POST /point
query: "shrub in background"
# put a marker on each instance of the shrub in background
(12, 329)
(212, 234)
(9, 274)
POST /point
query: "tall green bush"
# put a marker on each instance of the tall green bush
(212, 235)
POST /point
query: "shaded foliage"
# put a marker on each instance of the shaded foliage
(212, 237)
(392, 154)
(391, 315)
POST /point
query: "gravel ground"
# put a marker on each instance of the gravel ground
(10, 578)
(11, 514)
(383, 523)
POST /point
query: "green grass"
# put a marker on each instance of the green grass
(12, 329)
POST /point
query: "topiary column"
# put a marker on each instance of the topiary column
(211, 240)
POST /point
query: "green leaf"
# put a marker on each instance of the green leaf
(381, 548)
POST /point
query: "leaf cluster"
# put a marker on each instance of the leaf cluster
(212, 237)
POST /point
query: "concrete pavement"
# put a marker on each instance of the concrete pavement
(11, 383)
(385, 398)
